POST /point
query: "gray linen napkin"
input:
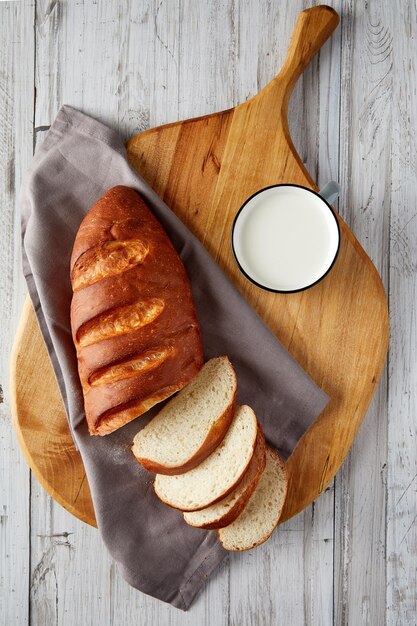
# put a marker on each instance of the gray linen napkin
(156, 551)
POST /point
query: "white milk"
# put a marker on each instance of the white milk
(286, 238)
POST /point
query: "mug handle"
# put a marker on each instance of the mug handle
(331, 191)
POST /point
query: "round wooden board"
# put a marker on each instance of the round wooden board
(338, 331)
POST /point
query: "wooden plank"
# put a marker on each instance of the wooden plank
(366, 107)
(401, 547)
(206, 58)
(163, 77)
(68, 564)
(321, 130)
(301, 591)
(16, 93)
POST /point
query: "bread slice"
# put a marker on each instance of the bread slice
(225, 511)
(260, 516)
(192, 424)
(219, 474)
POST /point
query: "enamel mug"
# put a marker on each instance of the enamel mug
(285, 238)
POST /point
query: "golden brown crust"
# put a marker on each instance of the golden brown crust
(116, 419)
(240, 504)
(108, 259)
(131, 297)
(214, 438)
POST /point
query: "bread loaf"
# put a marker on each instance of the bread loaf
(133, 319)
(192, 424)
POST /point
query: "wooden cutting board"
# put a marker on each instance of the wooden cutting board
(204, 169)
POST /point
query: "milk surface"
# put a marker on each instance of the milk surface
(285, 238)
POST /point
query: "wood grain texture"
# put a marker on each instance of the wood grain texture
(16, 93)
(401, 474)
(365, 124)
(109, 61)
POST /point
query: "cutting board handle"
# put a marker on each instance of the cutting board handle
(314, 26)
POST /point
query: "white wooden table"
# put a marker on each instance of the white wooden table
(351, 557)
